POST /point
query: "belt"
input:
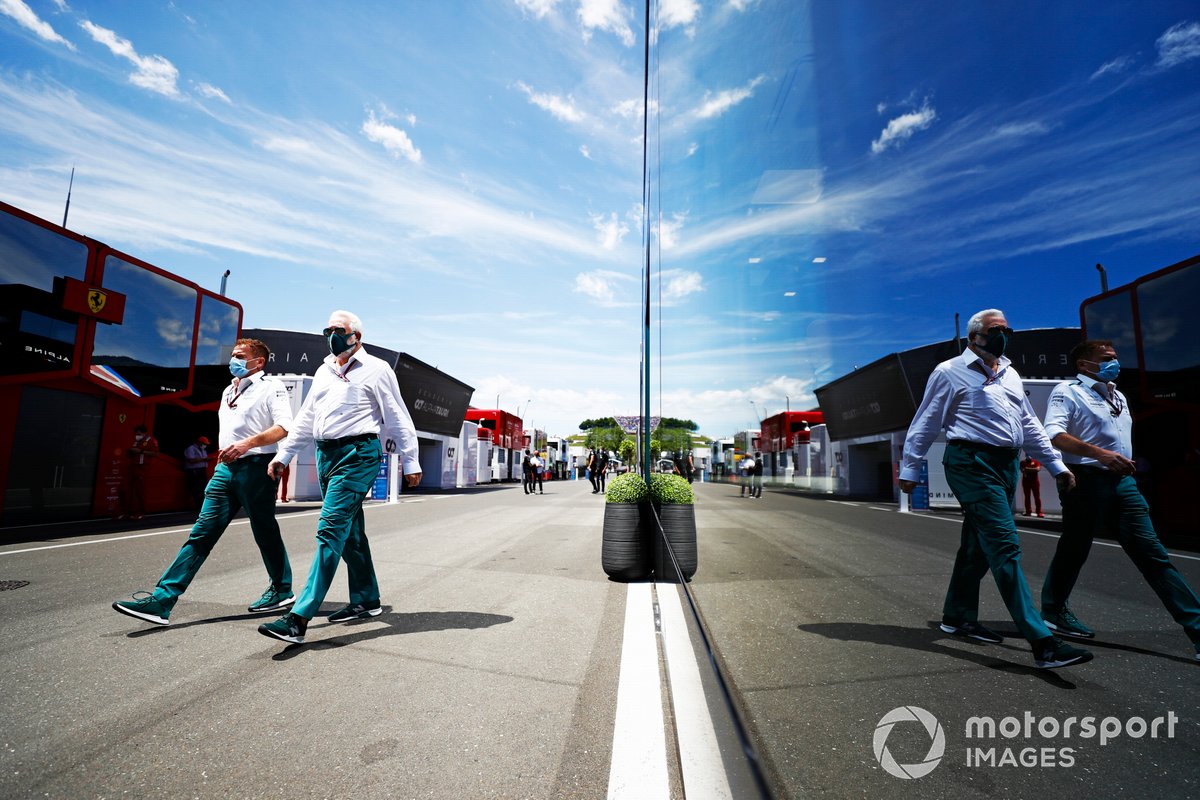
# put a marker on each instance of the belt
(361, 437)
(1094, 468)
(967, 444)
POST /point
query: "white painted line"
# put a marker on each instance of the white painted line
(140, 535)
(1056, 536)
(639, 751)
(699, 754)
(879, 508)
(845, 503)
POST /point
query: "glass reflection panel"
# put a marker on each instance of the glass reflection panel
(220, 322)
(1112, 318)
(1172, 359)
(36, 335)
(149, 354)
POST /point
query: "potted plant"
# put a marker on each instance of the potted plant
(674, 503)
(625, 553)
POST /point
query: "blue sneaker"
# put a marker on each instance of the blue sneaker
(272, 600)
(1064, 623)
(145, 608)
(971, 630)
(356, 611)
(1052, 653)
(288, 628)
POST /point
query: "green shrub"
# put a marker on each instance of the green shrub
(671, 489)
(627, 488)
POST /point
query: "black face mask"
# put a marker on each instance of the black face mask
(997, 342)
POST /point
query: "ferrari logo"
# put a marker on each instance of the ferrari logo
(96, 300)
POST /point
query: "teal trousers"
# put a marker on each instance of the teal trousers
(984, 480)
(1104, 502)
(242, 484)
(346, 473)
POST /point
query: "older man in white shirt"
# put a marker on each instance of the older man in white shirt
(254, 415)
(979, 400)
(354, 402)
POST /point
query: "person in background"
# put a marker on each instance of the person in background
(536, 465)
(593, 471)
(527, 473)
(602, 469)
(980, 402)
(195, 469)
(756, 476)
(1088, 420)
(141, 453)
(1030, 477)
(283, 483)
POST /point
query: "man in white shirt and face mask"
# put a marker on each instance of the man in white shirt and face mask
(353, 404)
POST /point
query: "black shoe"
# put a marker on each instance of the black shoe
(356, 611)
(971, 630)
(1052, 653)
(288, 628)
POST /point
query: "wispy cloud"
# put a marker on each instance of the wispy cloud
(668, 230)
(679, 14)
(714, 105)
(901, 128)
(678, 284)
(560, 107)
(585, 152)
(609, 16)
(604, 286)
(154, 73)
(538, 8)
(393, 139)
(1021, 129)
(210, 91)
(1180, 43)
(611, 230)
(30, 21)
(1114, 67)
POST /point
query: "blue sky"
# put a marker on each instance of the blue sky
(467, 176)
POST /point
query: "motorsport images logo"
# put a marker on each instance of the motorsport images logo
(937, 742)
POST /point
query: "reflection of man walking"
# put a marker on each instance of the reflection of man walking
(254, 414)
(979, 399)
(1089, 421)
(354, 401)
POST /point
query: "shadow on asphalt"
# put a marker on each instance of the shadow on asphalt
(928, 641)
(415, 622)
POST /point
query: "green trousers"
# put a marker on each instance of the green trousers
(346, 473)
(1104, 502)
(242, 484)
(984, 479)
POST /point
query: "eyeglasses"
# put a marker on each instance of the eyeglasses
(998, 329)
(336, 329)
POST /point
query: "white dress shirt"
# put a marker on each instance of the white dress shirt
(971, 402)
(1083, 408)
(361, 397)
(258, 403)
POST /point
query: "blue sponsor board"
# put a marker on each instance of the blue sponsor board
(920, 495)
(380, 490)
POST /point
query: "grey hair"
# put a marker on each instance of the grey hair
(975, 324)
(355, 322)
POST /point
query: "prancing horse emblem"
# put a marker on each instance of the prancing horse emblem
(96, 300)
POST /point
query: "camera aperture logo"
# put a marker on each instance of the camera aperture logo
(937, 742)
